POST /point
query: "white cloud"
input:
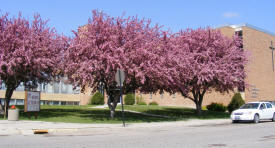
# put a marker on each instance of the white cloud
(230, 14)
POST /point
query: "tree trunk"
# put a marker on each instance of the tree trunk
(112, 113)
(112, 103)
(112, 107)
(198, 109)
(198, 98)
(8, 95)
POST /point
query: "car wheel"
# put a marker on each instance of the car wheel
(256, 118)
(273, 119)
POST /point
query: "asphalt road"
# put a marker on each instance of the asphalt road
(239, 135)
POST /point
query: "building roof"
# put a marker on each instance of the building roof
(239, 26)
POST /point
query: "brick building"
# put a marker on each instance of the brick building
(260, 76)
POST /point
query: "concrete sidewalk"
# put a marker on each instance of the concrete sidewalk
(30, 127)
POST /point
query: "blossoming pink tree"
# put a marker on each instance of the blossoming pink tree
(207, 61)
(29, 53)
(106, 44)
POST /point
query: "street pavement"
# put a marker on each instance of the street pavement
(189, 134)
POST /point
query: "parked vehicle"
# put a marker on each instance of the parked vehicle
(254, 111)
(272, 102)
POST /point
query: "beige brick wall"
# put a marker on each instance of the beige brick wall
(82, 98)
(177, 100)
(227, 31)
(259, 70)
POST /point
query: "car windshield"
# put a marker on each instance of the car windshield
(250, 106)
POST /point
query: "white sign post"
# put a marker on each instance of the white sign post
(32, 102)
(120, 77)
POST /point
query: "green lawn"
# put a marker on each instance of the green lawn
(180, 113)
(84, 114)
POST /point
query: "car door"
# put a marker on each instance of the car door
(263, 112)
(270, 111)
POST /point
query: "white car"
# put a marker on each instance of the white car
(254, 111)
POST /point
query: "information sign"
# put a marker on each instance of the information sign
(32, 101)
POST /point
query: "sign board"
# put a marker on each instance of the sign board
(32, 101)
(120, 77)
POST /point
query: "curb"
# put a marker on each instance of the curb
(94, 128)
(35, 131)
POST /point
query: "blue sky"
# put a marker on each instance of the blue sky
(67, 15)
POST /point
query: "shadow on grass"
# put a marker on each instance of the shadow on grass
(82, 114)
(87, 115)
(187, 113)
(179, 113)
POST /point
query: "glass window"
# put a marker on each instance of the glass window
(76, 90)
(3, 86)
(56, 87)
(70, 103)
(19, 102)
(268, 105)
(3, 101)
(64, 88)
(70, 89)
(42, 102)
(12, 102)
(250, 106)
(49, 88)
(262, 106)
(21, 87)
(55, 103)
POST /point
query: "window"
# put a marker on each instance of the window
(12, 102)
(268, 105)
(262, 106)
(20, 102)
(43, 87)
(64, 88)
(250, 106)
(240, 34)
(55, 103)
(21, 87)
(76, 90)
(70, 103)
(3, 86)
(56, 87)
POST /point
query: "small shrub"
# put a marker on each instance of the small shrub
(203, 108)
(235, 103)
(97, 99)
(217, 107)
(153, 103)
(141, 103)
(129, 99)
